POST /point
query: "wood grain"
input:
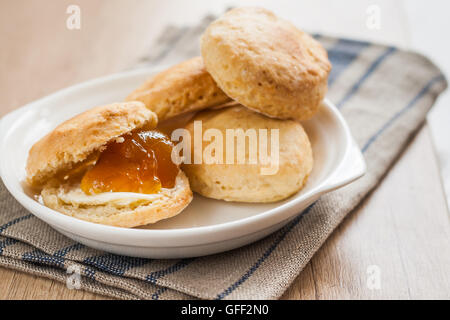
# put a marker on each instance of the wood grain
(403, 227)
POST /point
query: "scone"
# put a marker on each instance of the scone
(180, 89)
(109, 166)
(247, 181)
(266, 63)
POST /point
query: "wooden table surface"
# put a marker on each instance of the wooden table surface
(402, 228)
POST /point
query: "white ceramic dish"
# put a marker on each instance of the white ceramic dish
(207, 226)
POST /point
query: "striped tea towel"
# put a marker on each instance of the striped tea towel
(384, 94)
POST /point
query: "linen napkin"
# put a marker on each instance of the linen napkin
(384, 94)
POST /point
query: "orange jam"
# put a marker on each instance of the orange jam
(137, 162)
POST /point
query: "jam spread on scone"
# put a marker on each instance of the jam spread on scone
(136, 162)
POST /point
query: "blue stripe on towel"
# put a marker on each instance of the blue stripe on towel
(294, 222)
(154, 276)
(7, 242)
(114, 264)
(57, 259)
(398, 114)
(62, 252)
(372, 68)
(89, 273)
(282, 234)
(342, 54)
(13, 222)
(158, 292)
(40, 257)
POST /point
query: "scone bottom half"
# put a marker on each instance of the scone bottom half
(109, 165)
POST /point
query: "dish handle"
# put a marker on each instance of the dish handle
(352, 168)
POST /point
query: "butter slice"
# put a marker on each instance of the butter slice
(77, 197)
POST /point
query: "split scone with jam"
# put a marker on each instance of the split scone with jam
(109, 166)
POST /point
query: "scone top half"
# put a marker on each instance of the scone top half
(77, 139)
(266, 63)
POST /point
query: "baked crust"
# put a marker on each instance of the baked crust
(76, 139)
(180, 89)
(266, 63)
(244, 182)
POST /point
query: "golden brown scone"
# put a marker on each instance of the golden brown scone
(119, 209)
(182, 88)
(266, 63)
(57, 162)
(74, 140)
(245, 182)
